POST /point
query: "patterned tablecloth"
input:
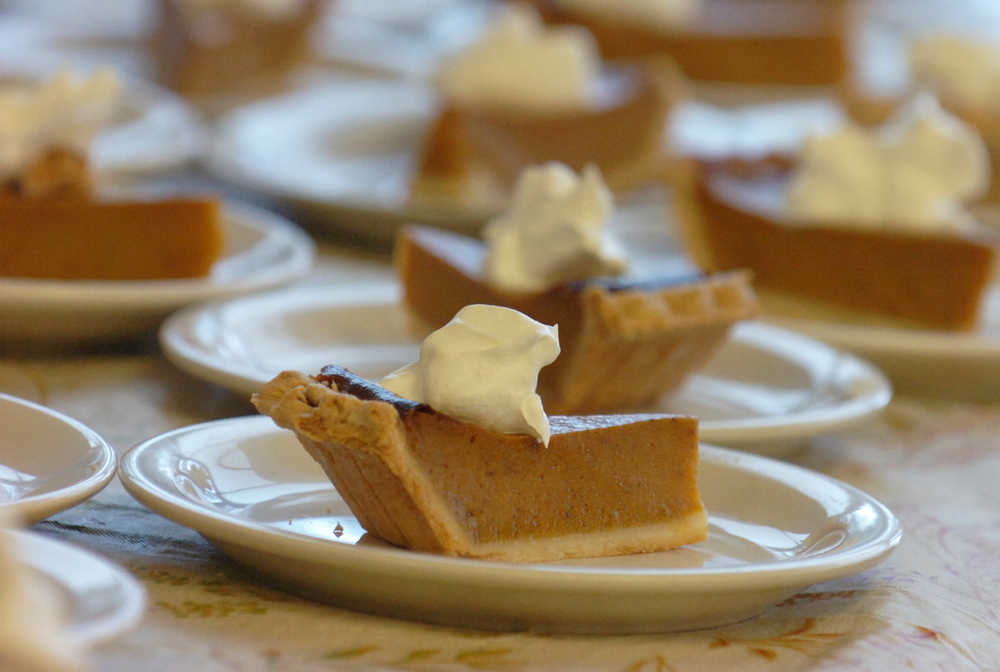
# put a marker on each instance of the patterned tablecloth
(934, 604)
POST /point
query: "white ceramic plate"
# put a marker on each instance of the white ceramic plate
(765, 389)
(100, 600)
(262, 251)
(345, 150)
(251, 489)
(48, 461)
(956, 365)
(155, 129)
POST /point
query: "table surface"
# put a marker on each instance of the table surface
(934, 604)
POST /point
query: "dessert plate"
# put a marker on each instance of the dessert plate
(955, 365)
(764, 391)
(262, 251)
(344, 150)
(100, 599)
(48, 461)
(250, 489)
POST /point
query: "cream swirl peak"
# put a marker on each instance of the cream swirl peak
(962, 71)
(64, 111)
(553, 232)
(482, 368)
(660, 14)
(914, 172)
(520, 63)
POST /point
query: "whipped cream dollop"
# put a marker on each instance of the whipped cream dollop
(960, 70)
(656, 14)
(32, 638)
(553, 232)
(915, 172)
(64, 111)
(519, 62)
(482, 368)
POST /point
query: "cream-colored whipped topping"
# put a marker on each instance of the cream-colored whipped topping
(482, 368)
(64, 111)
(31, 628)
(960, 70)
(553, 232)
(520, 63)
(656, 14)
(914, 172)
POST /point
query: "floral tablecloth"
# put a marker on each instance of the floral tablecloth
(934, 604)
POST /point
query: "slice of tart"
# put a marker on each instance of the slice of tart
(52, 222)
(912, 278)
(624, 343)
(481, 149)
(605, 485)
(788, 42)
(207, 48)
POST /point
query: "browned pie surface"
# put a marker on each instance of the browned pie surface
(933, 278)
(796, 42)
(424, 480)
(108, 240)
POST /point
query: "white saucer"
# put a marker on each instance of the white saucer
(48, 461)
(955, 365)
(764, 390)
(774, 529)
(262, 251)
(345, 150)
(100, 599)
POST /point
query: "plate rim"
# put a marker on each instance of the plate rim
(155, 295)
(234, 531)
(132, 605)
(35, 508)
(859, 405)
(884, 340)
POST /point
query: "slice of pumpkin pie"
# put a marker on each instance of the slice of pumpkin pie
(869, 227)
(54, 225)
(626, 341)
(493, 477)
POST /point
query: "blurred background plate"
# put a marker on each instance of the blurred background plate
(924, 362)
(343, 152)
(100, 599)
(48, 461)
